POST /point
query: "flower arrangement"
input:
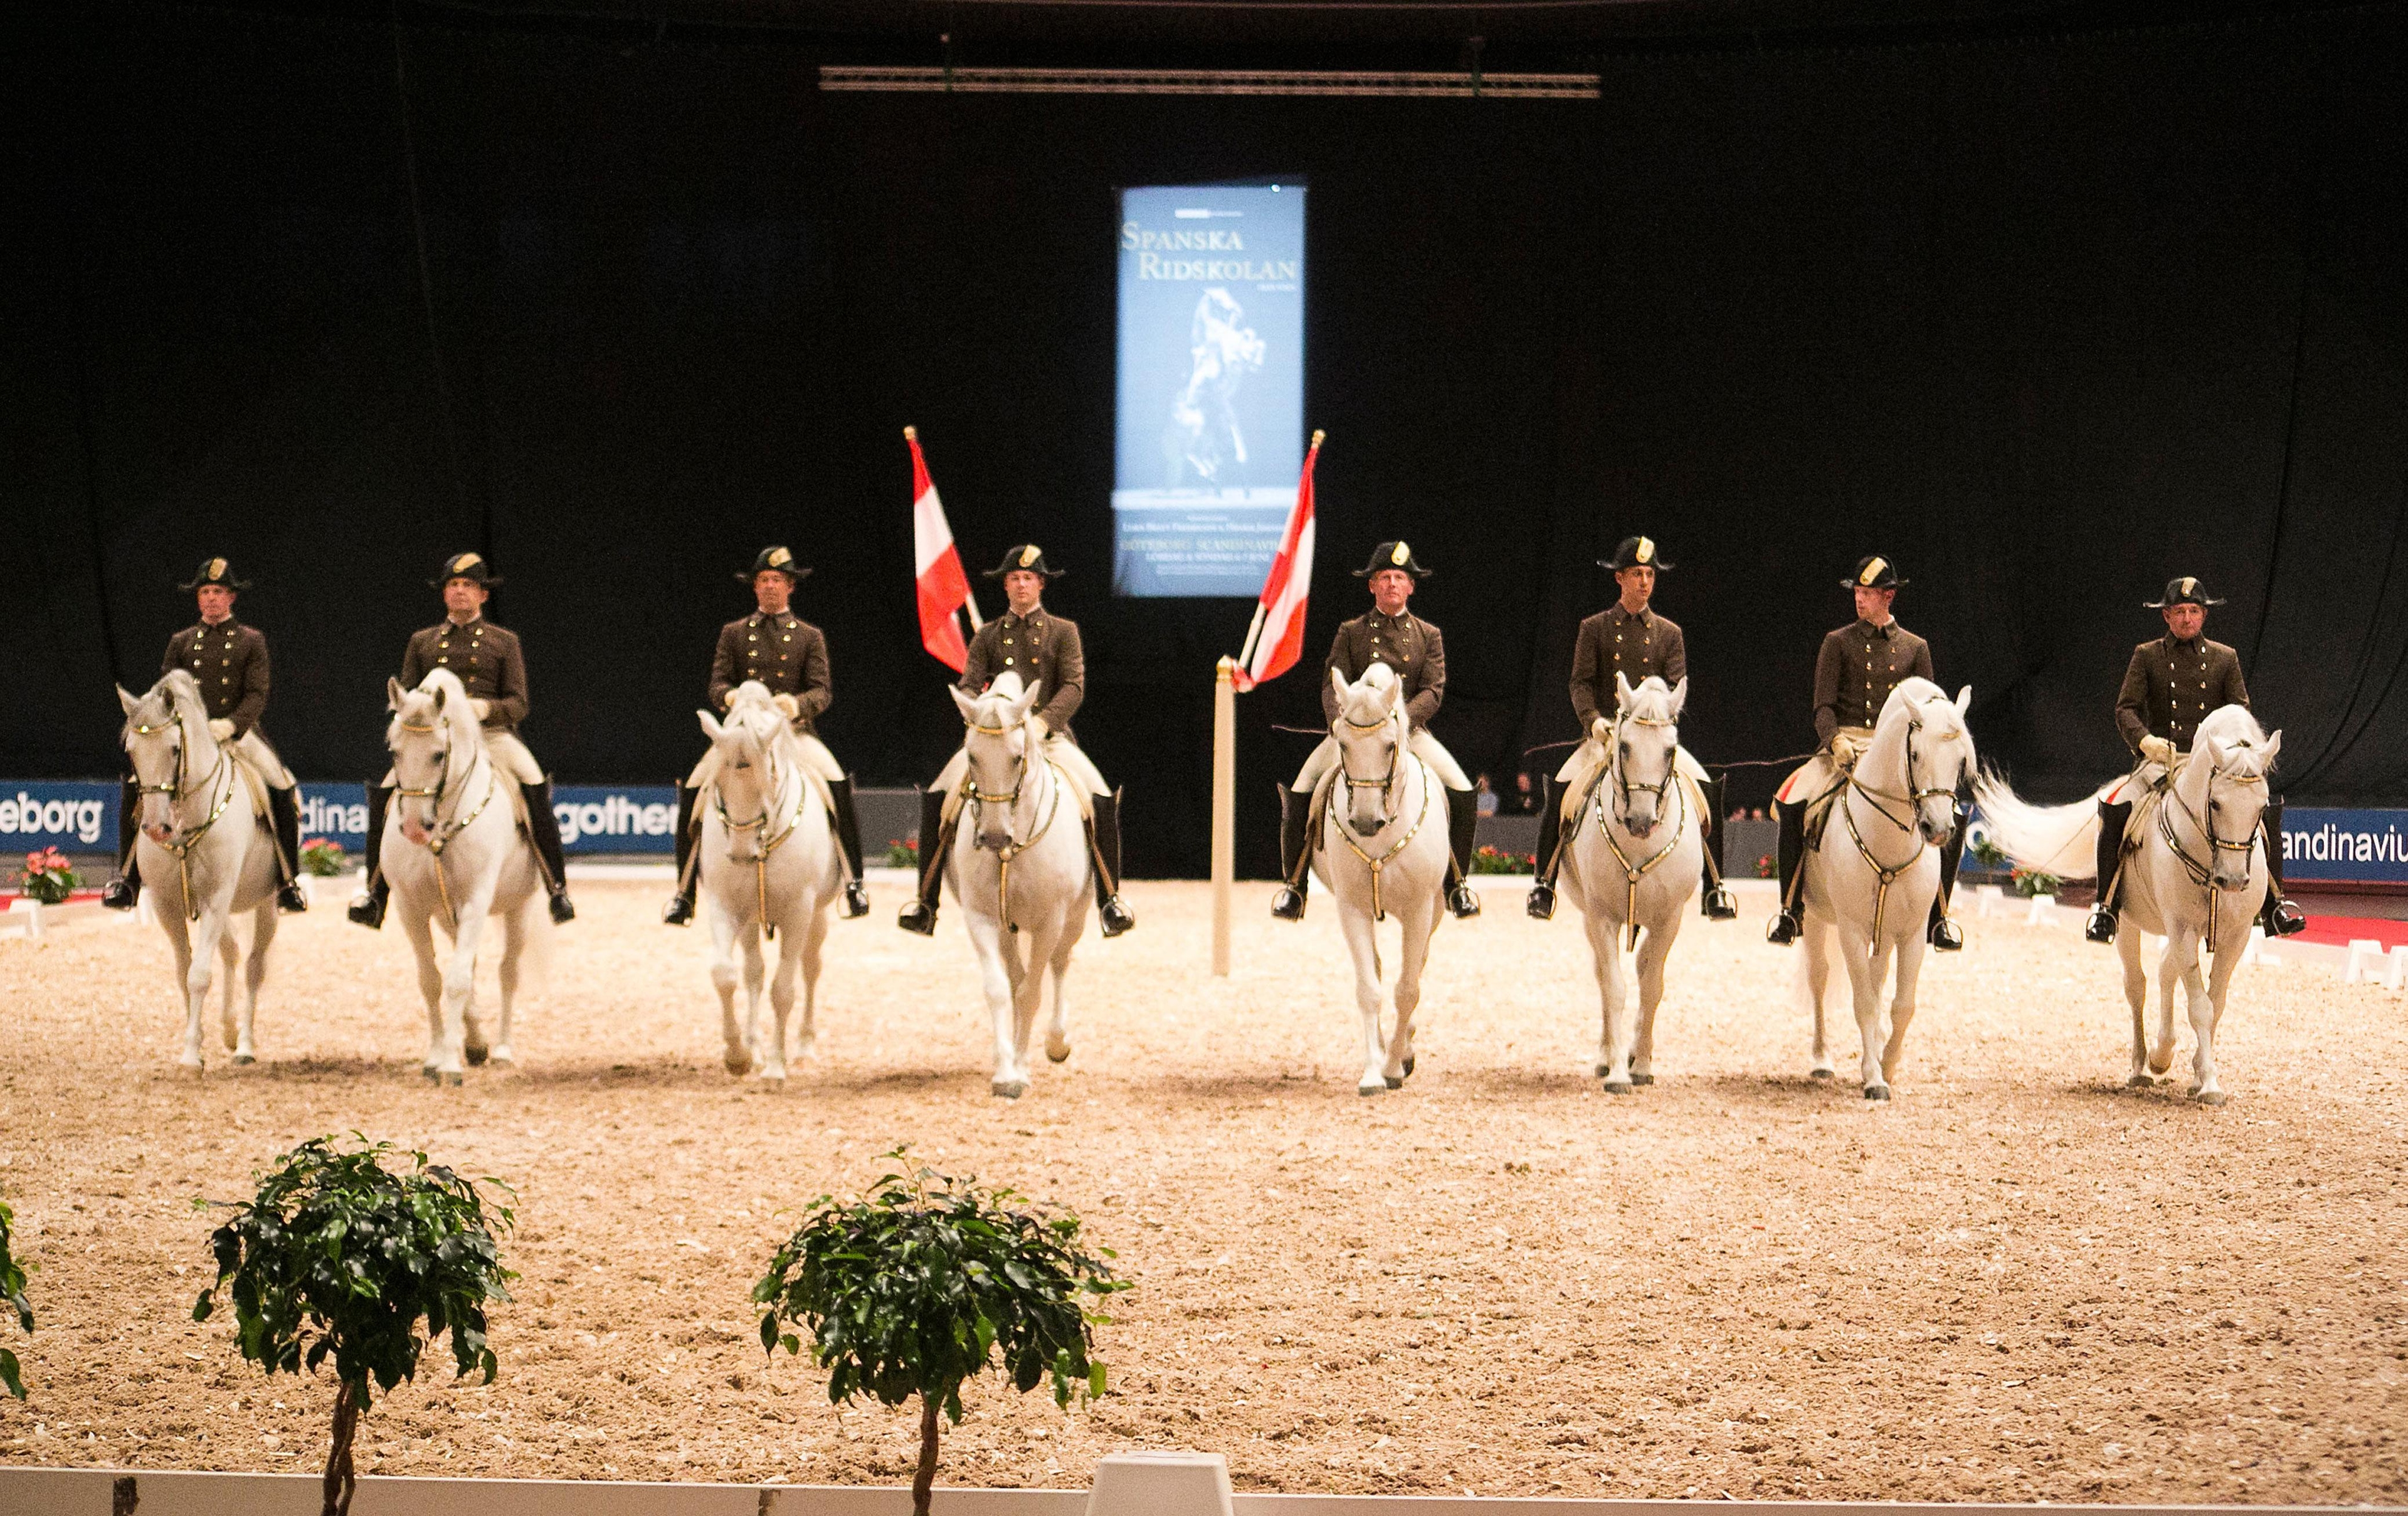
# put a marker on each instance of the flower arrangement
(1766, 868)
(48, 877)
(2029, 882)
(321, 855)
(1496, 861)
(902, 855)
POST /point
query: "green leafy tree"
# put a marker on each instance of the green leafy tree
(927, 1283)
(12, 1290)
(341, 1256)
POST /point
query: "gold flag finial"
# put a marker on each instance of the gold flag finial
(1317, 435)
(910, 434)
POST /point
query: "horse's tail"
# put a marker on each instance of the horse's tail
(2062, 840)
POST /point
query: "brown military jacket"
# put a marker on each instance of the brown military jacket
(1040, 646)
(230, 660)
(2170, 687)
(1860, 665)
(1635, 646)
(486, 658)
(1406, 643)
(785, 652)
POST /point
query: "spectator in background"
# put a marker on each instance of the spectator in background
(1526, 794)
(1483, 797)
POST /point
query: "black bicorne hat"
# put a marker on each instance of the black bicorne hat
(1635, 553)
(1392, 556)
(469, 566)
(1027, 555)
(215, 571)
(1874, 572)
(773, 558)
(2183, 591)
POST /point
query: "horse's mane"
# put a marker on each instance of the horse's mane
(1368, 700)
(753, 712)
(2230, 725)
(1650, 700)
(182, 696)
(457, 714)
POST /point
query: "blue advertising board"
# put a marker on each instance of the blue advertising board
(71, 815)
(80, 816)
(1209, 425)
(2322, 844)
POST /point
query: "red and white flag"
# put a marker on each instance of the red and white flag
(1284, 590)
(943, 587)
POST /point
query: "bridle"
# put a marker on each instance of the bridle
(1886, 874)
(1010, 798)
(182, 843)
(441, 835)
(1631, 872)
(1385, 785)
(770, 839)
(2204, 872)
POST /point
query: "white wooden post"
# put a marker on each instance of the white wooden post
(1224, 809)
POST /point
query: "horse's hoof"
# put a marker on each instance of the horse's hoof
(451, 1077)
(772, 1079)
(1393, 1081)
(476, 1053)
(191, 1066)
(1619, 1087)
(2210, 1097)
(1408, 1065)
(1877, 1092)
(1377, 1087)
(1058, 1053)
(502, 1057)
(1010, 1089)
(738, 1063)
(243, 1061)
(2140, 1081)
(2160, 1065)
(1643, 1078)
(434, 1075)
(1821, 1073)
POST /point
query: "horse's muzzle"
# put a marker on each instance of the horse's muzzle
(1641, 826)
(994, 842)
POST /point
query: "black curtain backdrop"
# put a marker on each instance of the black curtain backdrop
(2047, 319)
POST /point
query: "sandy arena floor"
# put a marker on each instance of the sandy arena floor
(2016, 1281)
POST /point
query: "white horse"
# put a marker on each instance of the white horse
(202, 853)
(1020, 867)
(466, 860)
(2196, 877)
(769, 861)
(1379, 846)
(1634, 862)
(1871, 878)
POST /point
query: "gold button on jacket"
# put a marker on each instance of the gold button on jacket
(485, 657)
(2148, 705)
(229, 661)
(1636, 646)
(1859, 667)
(787, 654)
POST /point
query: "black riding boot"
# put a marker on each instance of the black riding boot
(1295, 872)
(1462, 827)
(1714, 903)
(368, 906)
(1541, 903)
(124, 886)
(2101, 928)
(1104, 842)
(680, 910)
(848, 836)
(2280, 916)
(1944, 935)
(1790, 854)
(543, 829)
(919, 914)
(284, 810)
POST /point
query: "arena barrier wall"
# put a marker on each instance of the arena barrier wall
(76, 1491)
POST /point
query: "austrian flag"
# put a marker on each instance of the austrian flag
(1284, 590)
(943, 587)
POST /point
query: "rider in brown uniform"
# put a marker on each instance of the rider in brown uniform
(2170, 687)
(1044, 650)
(1860, 665)
(788, 656)
(229, 661)
(1634, 642)
(494, 672)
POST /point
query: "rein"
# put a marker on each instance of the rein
(1632, 874)
(444, 831)
(174, 790)
(1387, 787)
(2203, 874)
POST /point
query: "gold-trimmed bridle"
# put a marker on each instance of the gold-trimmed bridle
(440, 835)
(2202, 872)
(1886, 874)
(185, 838)
(1631, 872)
(771, 836)
(1009, 799)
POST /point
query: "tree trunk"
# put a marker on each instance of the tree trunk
(339, 1482)
(925, 1475)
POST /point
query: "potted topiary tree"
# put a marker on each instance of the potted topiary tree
(924, 1285)
(340, 1256)
(12, 1290)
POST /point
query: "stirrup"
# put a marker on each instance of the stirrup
(1947, 937)
(1288, 904)
(1783, 928)
(563, 911)
(290, 898)
(2283, 919)
(1464, 902)
(918, 916)
(679, 911)
(368, 909)
(1114, 915)
(118, 894)
(1718, 905)
(856, 900)
(2101, 927)
(1541, 903)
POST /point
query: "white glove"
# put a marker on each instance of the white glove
(221, 730)
(2158, 750)
(1043, 730)
(1600, 732)
(791, 706)
(480, 709)
(1846, 748)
